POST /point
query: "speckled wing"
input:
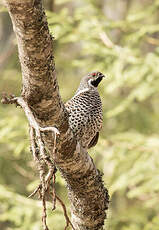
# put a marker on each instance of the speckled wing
(85, 117)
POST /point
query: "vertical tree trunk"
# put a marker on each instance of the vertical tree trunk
(89, 199)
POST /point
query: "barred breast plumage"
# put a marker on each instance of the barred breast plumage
(85, 110)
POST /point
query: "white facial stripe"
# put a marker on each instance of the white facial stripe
(89, 82)
(82, 91)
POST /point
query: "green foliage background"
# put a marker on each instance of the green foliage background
(120, 39)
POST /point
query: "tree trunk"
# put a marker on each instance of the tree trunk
(89, 199)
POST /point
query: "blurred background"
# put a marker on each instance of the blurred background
(121, 39)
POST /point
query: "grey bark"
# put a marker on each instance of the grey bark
(89, 199)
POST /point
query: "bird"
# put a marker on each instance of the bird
(85, 110)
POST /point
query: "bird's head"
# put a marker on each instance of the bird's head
(91, 81)
(94, 79)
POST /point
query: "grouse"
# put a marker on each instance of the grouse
(85, 110)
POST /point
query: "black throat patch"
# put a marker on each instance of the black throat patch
(96, 82)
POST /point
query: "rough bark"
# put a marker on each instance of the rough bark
(89, 199)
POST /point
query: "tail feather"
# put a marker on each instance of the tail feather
(94, 141)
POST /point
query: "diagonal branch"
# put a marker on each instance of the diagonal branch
(89, 199)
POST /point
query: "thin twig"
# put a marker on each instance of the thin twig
(53, 193)
(39, 154)
(35, 191)
(65, 214)
(41, 165)
(68, 222)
